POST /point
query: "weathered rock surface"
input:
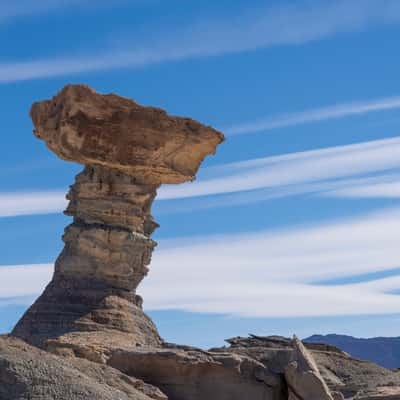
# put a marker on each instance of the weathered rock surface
(181, 372)
(355, 377)
(81, 125)
(381, 393)
(192, 374)
(27, 373)
(185, 373)
(303, 378)
(128, 151)
(352, 377)
(90, 316)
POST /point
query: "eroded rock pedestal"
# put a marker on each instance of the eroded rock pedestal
(106, 254)
(99, 343)
(128, 152)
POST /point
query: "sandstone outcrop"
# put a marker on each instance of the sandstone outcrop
(192, 374)
(128, 151)
(27, 373)
(344, 375)
(184, 373)
(99, 343)
(303, 378)
(83, 126)
(254, 365)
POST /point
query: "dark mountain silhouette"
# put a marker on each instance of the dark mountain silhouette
(384, 351)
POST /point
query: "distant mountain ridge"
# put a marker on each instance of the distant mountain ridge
(383, 351)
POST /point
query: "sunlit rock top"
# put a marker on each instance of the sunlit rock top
(81, 125)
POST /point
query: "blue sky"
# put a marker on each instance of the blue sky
(293, 226)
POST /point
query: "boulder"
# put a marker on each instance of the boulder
(193, 374)
(27, 373)
(303, 378)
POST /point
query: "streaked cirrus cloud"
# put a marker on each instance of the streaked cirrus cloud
(369, 169)
(286, 171)
(287, 24)
(320, 114)
(274, 273)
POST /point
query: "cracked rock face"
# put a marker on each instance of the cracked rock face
(81, 125)
(128, 151)
(346, 377)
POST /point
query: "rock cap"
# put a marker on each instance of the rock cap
(81, 125)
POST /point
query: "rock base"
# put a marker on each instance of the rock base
(106, 254)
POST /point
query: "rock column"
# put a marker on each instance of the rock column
(128, 151)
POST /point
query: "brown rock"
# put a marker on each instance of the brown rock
(337, 396)
(90, 315)
(345, 376)
(355, 377)
(381, 393)
(303, 378)
(128, 151)
(192, 374)
(81, 125)
(27, 373)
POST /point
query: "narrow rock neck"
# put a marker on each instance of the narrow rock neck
(102, 196)
(109, 239)
(105, 257)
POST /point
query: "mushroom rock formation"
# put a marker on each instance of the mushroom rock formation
(128, 151)
(90, 316)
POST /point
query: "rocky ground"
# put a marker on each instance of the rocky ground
(352, 377)
(27, 373)
(250, 368)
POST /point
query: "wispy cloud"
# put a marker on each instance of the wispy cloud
(320, 114)
(381, 186)
(28, 203)
(23, 281)
(388, 190)
(294, 169)
(252, 272)
(288, 24)
(23, 8)
(264, 274)
(357, 170)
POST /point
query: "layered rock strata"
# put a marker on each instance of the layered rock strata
(191, 374)
(345, 376)
(90, 316)
(270, 368)
(243, 370)
(27, 373)
(128, 151)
